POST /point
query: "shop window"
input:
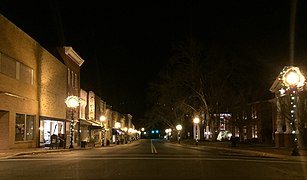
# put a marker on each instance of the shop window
(24, 130)
(29, 127)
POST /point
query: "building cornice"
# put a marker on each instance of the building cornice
(73, 55)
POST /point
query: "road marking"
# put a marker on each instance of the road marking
(153, 148)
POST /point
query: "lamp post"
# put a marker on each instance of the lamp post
(125, 134)
(142, 132)
(196, 129)
(293, 80)
(179, 128)
(72, 102)
(102, 119)
(168, 133)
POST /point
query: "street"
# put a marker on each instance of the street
(150, 159)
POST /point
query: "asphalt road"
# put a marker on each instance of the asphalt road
(150, 159)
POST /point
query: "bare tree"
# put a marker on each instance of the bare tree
(190, 85)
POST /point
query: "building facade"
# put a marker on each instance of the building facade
(34, 84)
(254, 124)
(31, 89)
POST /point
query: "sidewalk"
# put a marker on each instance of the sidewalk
(258, 149)
(7, 153)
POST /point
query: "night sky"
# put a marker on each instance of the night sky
(126, 43)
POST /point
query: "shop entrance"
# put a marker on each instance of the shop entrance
(49, 128)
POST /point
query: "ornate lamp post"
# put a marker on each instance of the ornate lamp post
(179, 128)
(102, 119)
(293, 80)
(196, 129)
(72, 102)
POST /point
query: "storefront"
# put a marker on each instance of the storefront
(49, 127)
(95, 132)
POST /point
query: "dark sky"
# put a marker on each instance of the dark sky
(125, 43)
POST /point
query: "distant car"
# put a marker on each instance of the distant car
(224, 135)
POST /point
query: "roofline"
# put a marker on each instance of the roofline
(73, 55)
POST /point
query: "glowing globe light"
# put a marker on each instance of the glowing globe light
(72, 101)
(179, 127)
(117, 125)
(102, 118)
(196, 120)
(292, 78)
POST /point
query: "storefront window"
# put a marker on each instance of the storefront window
(50, 127)
(29, 127)
(20, 127)
(24, 129)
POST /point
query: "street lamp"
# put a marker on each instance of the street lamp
(102, 119)
(168, 133)
(179, 128)
(293, 80)
(72, 102)
(142, 132)
(125, 134)
(196, 129)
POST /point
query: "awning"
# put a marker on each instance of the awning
(95, 125)
(84, 122)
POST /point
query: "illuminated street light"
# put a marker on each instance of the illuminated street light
(72, 102)
(179, 128)
(196, 120)
(292, 77)
(117, 125)
(196, 129)
(142, 133)
(293, 80)
(168, 133)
